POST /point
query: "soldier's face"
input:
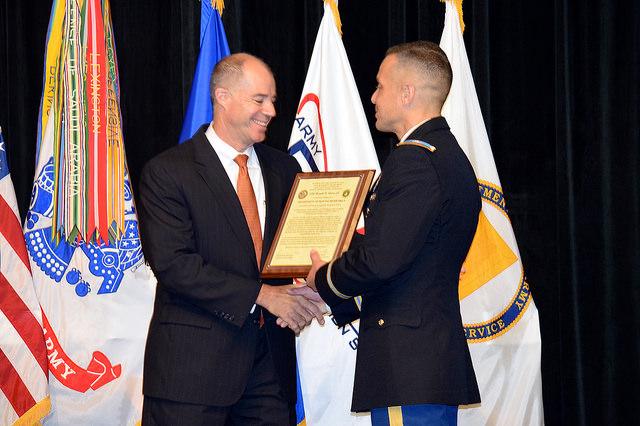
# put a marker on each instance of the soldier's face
(387, 97)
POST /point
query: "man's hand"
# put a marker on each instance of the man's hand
(316, 263)
(309, 294)
(295, 310)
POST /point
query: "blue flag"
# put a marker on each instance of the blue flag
(213, 47)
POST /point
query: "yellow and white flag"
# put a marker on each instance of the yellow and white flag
(499, 315)
(330, 133)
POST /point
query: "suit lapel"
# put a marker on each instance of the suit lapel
(208, 165)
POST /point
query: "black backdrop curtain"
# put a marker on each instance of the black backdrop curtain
(558, 86)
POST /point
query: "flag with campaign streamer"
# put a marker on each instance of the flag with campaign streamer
(499, 315)
(213, 47)
(330, 133)
(24, 392)
(81, 230)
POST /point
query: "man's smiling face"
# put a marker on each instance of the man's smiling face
(250, 105)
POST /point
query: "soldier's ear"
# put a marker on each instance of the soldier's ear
(407, 93)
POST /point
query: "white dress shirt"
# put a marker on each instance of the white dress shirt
(226, 154)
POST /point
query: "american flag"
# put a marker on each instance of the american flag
(24, 394)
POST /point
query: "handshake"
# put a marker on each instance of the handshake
(295, 305)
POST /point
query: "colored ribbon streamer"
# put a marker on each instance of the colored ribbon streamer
(81, 89)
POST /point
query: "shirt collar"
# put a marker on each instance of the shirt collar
(430, 125)
(411, 130)
(226, 152)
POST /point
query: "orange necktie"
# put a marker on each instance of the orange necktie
(249, 205)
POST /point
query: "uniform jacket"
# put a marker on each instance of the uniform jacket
(202, 337)
(419, 225)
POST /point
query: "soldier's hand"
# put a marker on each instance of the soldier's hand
(316, 263)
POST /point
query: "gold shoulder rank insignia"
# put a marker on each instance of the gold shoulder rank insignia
(416, 142)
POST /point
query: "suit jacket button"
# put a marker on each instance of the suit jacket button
(380, 322)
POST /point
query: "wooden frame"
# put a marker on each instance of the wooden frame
(322, 207)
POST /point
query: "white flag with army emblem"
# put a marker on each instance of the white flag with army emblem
(330, 133)
(499, 315)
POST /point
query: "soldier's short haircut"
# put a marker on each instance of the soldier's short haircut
(428, 59)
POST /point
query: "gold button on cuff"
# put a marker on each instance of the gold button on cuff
(380, 322)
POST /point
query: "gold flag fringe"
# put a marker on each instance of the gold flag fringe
(336, 14)
(458, 5)
(219, 5)
(35, 414)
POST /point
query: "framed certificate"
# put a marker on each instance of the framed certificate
(321, 213)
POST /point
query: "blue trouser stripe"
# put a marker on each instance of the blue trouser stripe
(419, 415)
(380, 417)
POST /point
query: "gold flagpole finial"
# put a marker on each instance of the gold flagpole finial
(218, 5)
(458, 5)
(336, 14)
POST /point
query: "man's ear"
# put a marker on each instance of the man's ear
(407, 93)
(221, 96)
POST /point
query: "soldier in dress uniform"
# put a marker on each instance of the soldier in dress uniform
(413, 361)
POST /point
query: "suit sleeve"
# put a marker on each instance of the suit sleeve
(170, 247)
(409, 200)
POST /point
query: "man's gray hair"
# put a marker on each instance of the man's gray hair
(228, 71)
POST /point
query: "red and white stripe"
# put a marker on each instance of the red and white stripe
(23, 360)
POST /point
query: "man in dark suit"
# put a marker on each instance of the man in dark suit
(209, 211)
(413, 361)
